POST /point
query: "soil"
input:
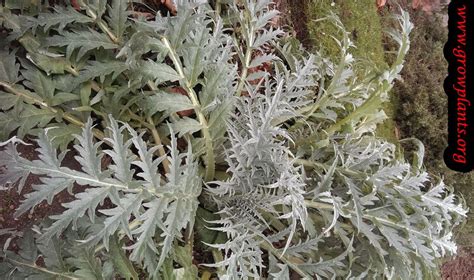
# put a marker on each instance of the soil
(11, 199)
(461, 267)
(293, 14)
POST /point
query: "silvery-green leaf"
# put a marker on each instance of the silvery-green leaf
(84, 40)
(158, 72)
(8, 67)
(117, 19)
(186, 125)
(121, 262)
(45, 191)
(86, 201)
(62, 16)
(101, 69)
(169, 102)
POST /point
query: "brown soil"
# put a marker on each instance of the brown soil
(461, 267)
(11, 199)
(293, 14)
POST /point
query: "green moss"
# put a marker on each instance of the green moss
(362, 21)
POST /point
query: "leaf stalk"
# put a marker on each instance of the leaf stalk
(161, 150)
(210, 158)
(68, 117)
(99, 21)
(41, 269)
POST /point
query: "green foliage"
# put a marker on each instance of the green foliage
(9, 68)
(176, 199)
(61, 16)
(422, 110)
(365, 23)
(307, 181)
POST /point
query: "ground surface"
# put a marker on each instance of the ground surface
(460, 268)
(10, 200)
